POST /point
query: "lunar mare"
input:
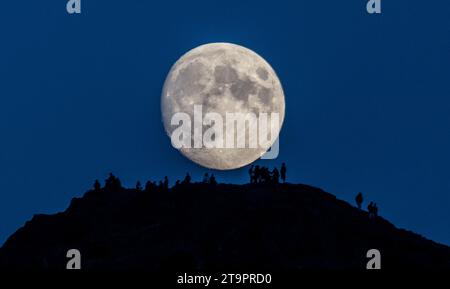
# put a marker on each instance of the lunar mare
(222, 78)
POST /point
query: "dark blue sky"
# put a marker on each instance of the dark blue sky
(368, 98)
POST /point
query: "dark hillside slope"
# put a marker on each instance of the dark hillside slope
(216, 227)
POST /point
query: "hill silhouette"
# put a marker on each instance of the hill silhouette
(215, 227)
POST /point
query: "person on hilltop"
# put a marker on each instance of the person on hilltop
(257, 174)
(139, 186)
(375, 210)
(205, 178)
(251, 173)
(113, 183)
(359, 200)
(283, 172)
(370, 209)
(212, 180)
(97, 186)
(275, 176)
(166, 183)
(187, 179)
(265, 175)
(149, 186)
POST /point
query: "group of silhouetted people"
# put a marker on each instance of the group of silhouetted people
(257, 175)
(209, 179)
(264, 175)
(372, 208)
(153, 186)
(113, 183)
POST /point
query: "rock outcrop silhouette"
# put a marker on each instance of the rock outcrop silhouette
(216, 227)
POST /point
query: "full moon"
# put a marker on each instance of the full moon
(222, 78)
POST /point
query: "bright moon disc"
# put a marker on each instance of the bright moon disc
(222, 78)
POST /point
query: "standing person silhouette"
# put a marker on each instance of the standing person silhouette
(375, 210)
(138, 186)
(251, 173)
(283, 172)
(205, 178)
(359, 200)
(257, 174)
(166, 183)
(212, 180)
(275, 176)
(370, 209)
(187, 179)
(265, 175)
(148, 186)
(97, 186)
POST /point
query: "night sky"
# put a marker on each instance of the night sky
(367, 98)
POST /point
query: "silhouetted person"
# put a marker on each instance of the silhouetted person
(177, 183)
(148, 186)
(138, 186)
(262, 174)
(265, 175)
(187, 179)
(97, 186)
(375, 210)
(166, 183)
(205, 178)
(275, 176)
(109, 181)
(212, 180)
(257, 174)
(283, 172)
(359, 200)
(117, 184)
(251, 173)
(371, 210)
(113, 183)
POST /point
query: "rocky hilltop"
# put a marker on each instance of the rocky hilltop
(216, 227)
